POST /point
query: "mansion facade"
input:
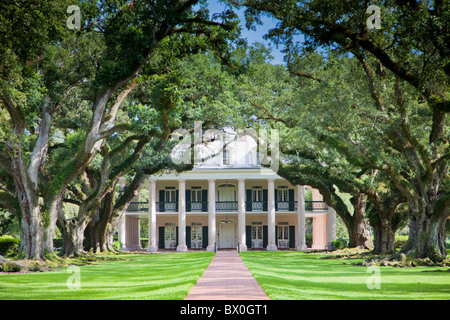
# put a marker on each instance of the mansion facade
(227, 201)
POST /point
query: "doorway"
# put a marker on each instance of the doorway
(226, 234)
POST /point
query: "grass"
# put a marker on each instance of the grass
(165, 276)
(287, 275)
(284, 275)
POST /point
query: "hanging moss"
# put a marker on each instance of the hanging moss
(45, 220)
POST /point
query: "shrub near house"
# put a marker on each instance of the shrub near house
(8, 245)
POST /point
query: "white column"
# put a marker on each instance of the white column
(152, 245)
(211, 215)
(331, 226)
(181, 216)
(271, 246)
(301, 218)
(241, 215)
(122, 228)
(138, 223)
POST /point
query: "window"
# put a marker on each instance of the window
(171, 195)
(283, 232)
(258, 157)
(196, 233)
(257, 194)
(282, 194)
(170, 232)
(257, 232)
(196, 195)
(225, 157)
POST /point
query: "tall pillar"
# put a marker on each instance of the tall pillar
(132, 233)
(271, 246)
(241, 215)
(122, 235)
(301, 218)
(331, 226)
(152, 245)
(211, 215)
(181, 216)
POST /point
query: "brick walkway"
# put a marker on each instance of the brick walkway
(227, 278)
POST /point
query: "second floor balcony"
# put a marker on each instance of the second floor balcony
(227, 206)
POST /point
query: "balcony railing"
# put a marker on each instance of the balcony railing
(227, 206)
(315, 206)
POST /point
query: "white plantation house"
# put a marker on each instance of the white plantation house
(227, 201)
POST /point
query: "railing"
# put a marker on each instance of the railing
(138, 206)
(197, 206)
(315, 206)
(228, 206)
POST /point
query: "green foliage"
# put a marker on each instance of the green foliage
(338, 244)
(410, 42)
(9, 267)
(8, 245)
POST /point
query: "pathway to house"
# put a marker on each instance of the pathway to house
(227, 278)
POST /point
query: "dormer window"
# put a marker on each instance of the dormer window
(225, 157)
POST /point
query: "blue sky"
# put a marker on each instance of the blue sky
(252, 36)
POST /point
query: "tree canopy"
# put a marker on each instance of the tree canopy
(361, 108)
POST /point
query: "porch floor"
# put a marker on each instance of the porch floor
(227, 278)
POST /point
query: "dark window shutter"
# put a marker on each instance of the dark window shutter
(176, 237)
(291, 200)
(188, 200)
(248, 236)
(264, 199)
(276, 236)
(248, 203)
(265, 237)
(161, 200)
(276, 199)
(161, 238)
(204, 200)
(205, 236)
(188, 237)
(291, 236)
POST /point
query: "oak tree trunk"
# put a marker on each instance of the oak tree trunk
(384, 237)
(360, 235)
(72, 232)
(32, 240)
(427, 236)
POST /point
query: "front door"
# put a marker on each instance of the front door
(226, 235)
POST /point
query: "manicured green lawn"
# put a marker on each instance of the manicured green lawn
(284, 275)
(165, 276)
(294, 276)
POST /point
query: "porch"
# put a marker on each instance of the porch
(242, 213)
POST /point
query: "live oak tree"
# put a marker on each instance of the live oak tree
(412, 45)
(190, 88)
(26, 109)
(39, 84)
(311, 139)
